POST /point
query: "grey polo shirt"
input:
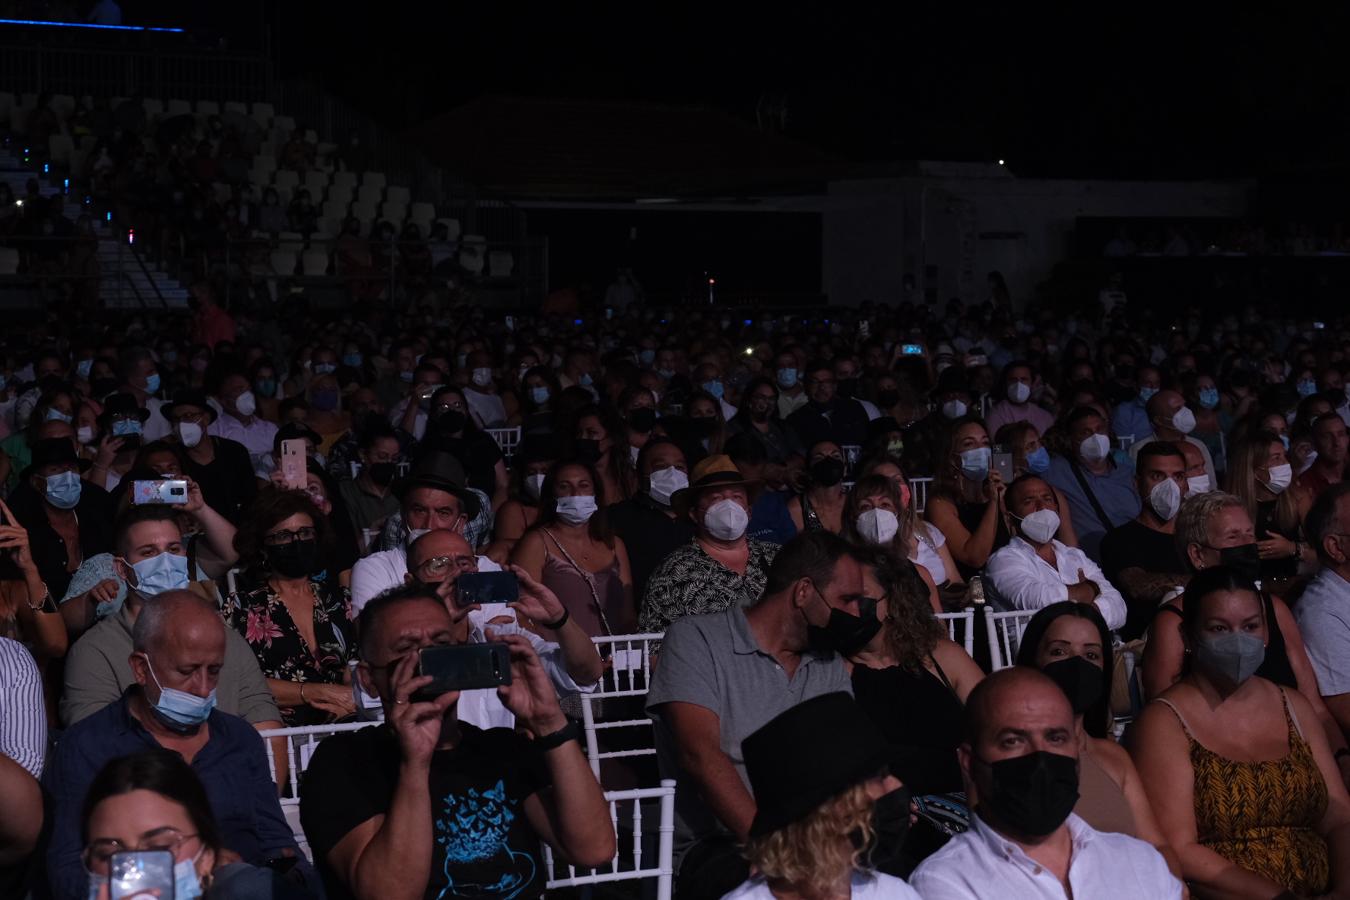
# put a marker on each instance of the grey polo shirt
(98, 673)
(713, 661)
(1323, 614)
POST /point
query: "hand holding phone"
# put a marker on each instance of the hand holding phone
(462, 667)
(478, 588)
(173, 491)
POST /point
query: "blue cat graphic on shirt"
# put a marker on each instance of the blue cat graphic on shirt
(473, 829)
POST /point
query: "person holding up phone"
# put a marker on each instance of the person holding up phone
(426, 803)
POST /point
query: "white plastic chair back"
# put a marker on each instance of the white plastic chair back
(628, 673)
(286, 179)
(300, 745)
(918, 493)
(237, 107)
(264, 113)
(508, 439)
(423, 215)
(393, 212)
(344, 179)
(637, 864)
(1005, 635)
(154, 108)
(452, 228)
(961, 627)
(316, 183)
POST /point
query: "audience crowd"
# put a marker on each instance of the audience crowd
(785, 503)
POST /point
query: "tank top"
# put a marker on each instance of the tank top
(1276, 666)
(594, 599)
(1264, 815)
(920, 717)
(1101, 802)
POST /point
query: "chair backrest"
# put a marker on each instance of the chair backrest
(1005, 635)
(286, 179)
(264, 113)
(508, 439)
(283, 126)
(423, 214)
(452, 228)
(918, 490)
(237, 107)
(316, 183)
(300, 745)
(963, 624)
(628, 674)
(179, 108)
(153, 106)
(627, 864)
(393, 211)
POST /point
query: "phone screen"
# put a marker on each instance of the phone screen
(140, 875)
(911, 350)
(487, 587)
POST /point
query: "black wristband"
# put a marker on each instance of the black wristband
(554, 626)
(569, 732)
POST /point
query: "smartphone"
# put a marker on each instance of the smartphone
(1319, 325)
(911, 350)
(173, 491)
(463, 667)
(141, 875)
(1003, 465)
(293, 463)
(486, 587)
(510, 323)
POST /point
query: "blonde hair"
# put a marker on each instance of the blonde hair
(1244, 458)
(815, 854)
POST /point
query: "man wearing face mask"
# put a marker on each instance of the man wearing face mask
(1140, 557)
(141, 378)
(1101, 493)
(1172, 420)
(1016, 405)
(367, 497)
(827, 416)
(726, 674)
(178, 652)
(410, 414)
(1035, 570)
(758, 418)
(219, 465)
(662, 471)
(485, 404)
(1131, 418)
(240, 421)
(1020, 762)
(708, 376)
(791, 392)
(720, 567)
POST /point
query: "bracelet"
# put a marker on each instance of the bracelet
(303, 701)
(569, 732)
(554, 626)
(46, 601)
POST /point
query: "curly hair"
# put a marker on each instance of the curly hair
(870, 486)
(911, 629)
(814, 854)
(272, 505)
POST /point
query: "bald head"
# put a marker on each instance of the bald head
(1016, 699)
(1163, 405)
(178, 642)
(441, 542)
(174, 616)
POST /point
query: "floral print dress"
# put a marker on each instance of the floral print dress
(267, 626)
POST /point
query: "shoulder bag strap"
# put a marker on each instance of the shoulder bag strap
(1092, 498)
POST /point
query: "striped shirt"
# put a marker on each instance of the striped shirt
(23, 717)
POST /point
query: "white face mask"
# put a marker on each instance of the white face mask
(878, 526)
(726, 520)
(1019, 392)
(1165, 498)
(1280, 477)
(190, 433)
(534, 484)
(953, 409)
(1094, 448)
(665, 482)
(1040, 526)
(1308, 461)
(482, 377)
(576, 510)
(1183, 420)
(1197, 484)
(246, 404)
(84, 434)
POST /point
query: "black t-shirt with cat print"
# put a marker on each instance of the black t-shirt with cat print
(483, 843)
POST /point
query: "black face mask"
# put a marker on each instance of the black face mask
(1245, 558)
(383, 473)
(1080, 680)
(294, 560)
(587, 450)
(451, 421)
(642, 420)
(1032, 794)
(827, 472)
(890, 826)
(845, 633)
(887, 399)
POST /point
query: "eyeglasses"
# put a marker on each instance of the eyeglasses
(98, 855)
(438, 566)
(277, 538)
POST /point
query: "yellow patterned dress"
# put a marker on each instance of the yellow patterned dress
(1264, 815)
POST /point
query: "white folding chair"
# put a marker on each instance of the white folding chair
(966, 619)
(1005, 635)
(422, 215)
(452, 228)
(286, 179)
(918, 490)
(300, 745)
(316, 183)
(154, 108)
(369, 193)
(628, 674)
(627, 866)
(393, 212)
(508, 439)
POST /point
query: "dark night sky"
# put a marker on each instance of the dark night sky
(1166, 92)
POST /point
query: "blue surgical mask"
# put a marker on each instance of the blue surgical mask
(1038, 461)
(406, 377)
(165, 572)
(1146, 394)
(63, 490)
(713, 387)
(787, 378)
(1307, 388)
(152, 384)
(539, 395)
(124, 427)
(82, 368)
(975, 463)
(267, 387)
(1209, 397)
(352, 359)
(325, 368)
(179, 709)
(55, 415)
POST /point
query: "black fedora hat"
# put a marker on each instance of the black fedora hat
(812, 752)
(121, 406)
(52, 452)
(187, 397)
(442, 471)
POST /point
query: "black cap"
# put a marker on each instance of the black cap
(54, 451)
(813, 752)
(442, 471)
(187, 397)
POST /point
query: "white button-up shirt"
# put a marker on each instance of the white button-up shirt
(983, 863)
(257, 436)
(1016, 577)
(374, 574)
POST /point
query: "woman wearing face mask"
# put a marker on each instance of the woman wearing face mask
(912, 681)
(598, 439)
(822, 831)
(639, 409)
(119, 430)
(1070, 643)
(878, 513)
(820, 506)
(262, 375)
(1260, 474)
(326, 415)
(662, 470)
(538, 393)
(1212, 421)
(1030, 457)
(153, 801)
(534, 459)
(451, 428)
(1236, 767)
(966, 502)
(301, 630)
(709, 428)
(758, 417)
(573, 551)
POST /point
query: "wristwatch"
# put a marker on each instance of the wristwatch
(569, 732)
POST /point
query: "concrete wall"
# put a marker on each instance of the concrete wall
(950, 229)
